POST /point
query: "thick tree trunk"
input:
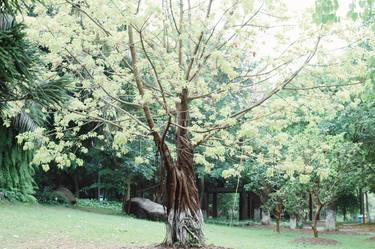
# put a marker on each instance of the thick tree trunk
(185, 218)
(314, 224)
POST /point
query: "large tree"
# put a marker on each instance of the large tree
(183, 73)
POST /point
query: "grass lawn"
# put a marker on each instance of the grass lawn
(39, 226)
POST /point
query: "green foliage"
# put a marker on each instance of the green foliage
(16, 174)
(235, 223)
(15, 5)
(49, 196)
(347, 203)
(18, 76)
(363, 9)
(15, 55)
(325, 11)
(105, 206)
(14, 196)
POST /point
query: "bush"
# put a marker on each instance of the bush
(59, 196)
(16, 196)
(113, 207)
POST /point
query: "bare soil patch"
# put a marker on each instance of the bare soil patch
(163, 247)
(68, 243)
(315, 241)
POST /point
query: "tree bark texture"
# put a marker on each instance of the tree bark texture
(278, 217)
(314, 224)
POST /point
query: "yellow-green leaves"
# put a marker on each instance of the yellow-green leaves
(120, 140)
(248, 130)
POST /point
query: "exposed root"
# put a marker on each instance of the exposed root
(184, 229)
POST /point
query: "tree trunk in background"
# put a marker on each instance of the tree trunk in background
(202, 193)
(278, 225)
(76, 183)
(310, 207)
(367, 208)
(360, 201)
(126, 192)
(363, 207)
(314, 224)
(278, 217)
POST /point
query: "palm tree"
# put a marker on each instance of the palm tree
(19, 82)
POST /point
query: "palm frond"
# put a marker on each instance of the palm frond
(12, 6)
(18, 79)
(17, 57)
(50, 93)
(7, 21)
(23, 122)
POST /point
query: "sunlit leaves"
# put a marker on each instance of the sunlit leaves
(325, 11)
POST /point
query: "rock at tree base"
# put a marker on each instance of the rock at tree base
(146, 209)
(65, 194)
(330, 222)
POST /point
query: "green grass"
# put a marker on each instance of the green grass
(41, 226)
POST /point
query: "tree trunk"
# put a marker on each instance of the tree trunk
(363, 208)
(278, 217)
(278, 224)
(126, 193)
(185, 218)
(310, 208)
(344, 213)
(367, 208)
(314, 224)
(76, 183)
